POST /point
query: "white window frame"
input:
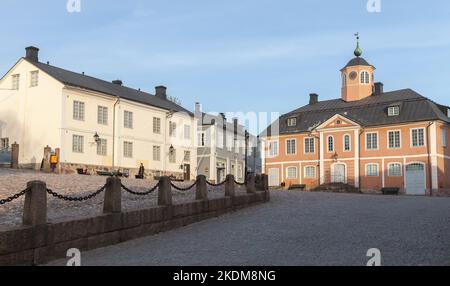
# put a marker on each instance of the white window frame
(344, 79)
(349, 143)
(102, 147)
(128, 149)
(271, 153)
(377, 141)
(307, 145)
(128, 119)
(394, 175)
(292, 122)
(391, 110)
(15, 84)
(444, 137)
(79, 110)
(156, 153)
(187, 156)
(412, 139)
(102, 115)
(367, 169)
(287, 173)
(295, 146)
(388, 139)
(78, 144)
(34, 78)
(306, 176)
(173, 157)
(364, 77)
(328, 143)
(4, 143)
(172, 129)
(156, 125)
(187, 132)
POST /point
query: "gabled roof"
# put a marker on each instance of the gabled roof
(94, 84)
(371, 111)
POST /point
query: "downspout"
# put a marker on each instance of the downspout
(114, 132)
(430, 166)
(359, 156)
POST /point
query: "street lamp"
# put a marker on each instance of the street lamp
(171, 149)
(96, 138)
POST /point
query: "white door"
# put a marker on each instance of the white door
(415, 179)
(274, 177)
(338, 173)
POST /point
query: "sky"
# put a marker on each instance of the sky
(236, 55)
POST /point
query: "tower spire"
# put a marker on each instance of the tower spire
(358, 51)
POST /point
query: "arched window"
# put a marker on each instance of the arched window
(330, 144)
(344, 79)
(365, 77)
(347, 143)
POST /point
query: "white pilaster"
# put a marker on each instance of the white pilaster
(433, 151)
(321, 160)
(356, 162)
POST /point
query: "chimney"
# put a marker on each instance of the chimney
(161, 92)
(224, 128)
(378, 88)
(118, 82)
(32, 54)
(313, 98)
(198, 113)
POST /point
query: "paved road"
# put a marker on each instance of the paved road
(300, 229)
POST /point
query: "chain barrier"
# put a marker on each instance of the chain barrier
(240, 184)
(128, 190)
(183, 189)
(76, 199)
(14, 197)
(216, 185)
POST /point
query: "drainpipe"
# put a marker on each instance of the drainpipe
(359, 156)
(430, 167)
(114, 133)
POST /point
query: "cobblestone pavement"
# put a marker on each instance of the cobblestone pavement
(13, 181)
(300, 229)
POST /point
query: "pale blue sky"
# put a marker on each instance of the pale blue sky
(236, 55)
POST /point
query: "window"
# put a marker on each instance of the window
(347, 146)
(34, 78)
(309, 145)
(187, 132)
(156, 125)
(395, 170)
(102, 115)
(128, 149)
(344, 80)
(330, 144)
(273, 148)
(173, 157)
(310, 172)
(292, 122)
(172, 129)
(372, 141)
(444, 138)
(156, 153)
(372, 170)
(394, 139)
(394, 111)
(15, 81)
(417, 137)
(291, 173)
(338, 122)
(128, 119)
(187, 156)
(102, 147)
(291, 148)
(365, 77)
(78, 110)
(201, 139)
(4, 144)
(78, 144)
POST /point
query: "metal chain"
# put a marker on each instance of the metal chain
(240, 184)
(14, 197)
(183, 189)
(216, 185)
(76, 199)
(140, 194)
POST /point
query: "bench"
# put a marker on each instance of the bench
(390, 191)
(297, 187)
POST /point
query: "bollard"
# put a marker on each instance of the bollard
(229, 186)
(265, 182)
(258, 183)
(35, 208)
(46, 166)
(15, 156)
(251, 184)
(165, 192)
(201, 193)
(58, 165)
(113, 196)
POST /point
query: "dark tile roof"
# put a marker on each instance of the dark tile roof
(371, 111)
(358, 61)
(210, 119)
(94, 84)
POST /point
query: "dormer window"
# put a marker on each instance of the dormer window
(394, 111)
(365, 77)
(448, 112)
(292, 122)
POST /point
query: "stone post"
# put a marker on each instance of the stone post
(46, 166)
(229, 186)
(113, 196)
(259, 183)
(35, 208)
(251, 184)
(15, 156)
(58, 165)
(165, 192)
(265, 182)
(201, 193)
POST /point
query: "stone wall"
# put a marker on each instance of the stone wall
(33, 245)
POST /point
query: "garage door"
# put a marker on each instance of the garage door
(274, 177)
(415, 179)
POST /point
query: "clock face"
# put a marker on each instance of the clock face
(353, 75)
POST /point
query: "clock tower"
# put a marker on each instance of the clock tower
(357, 77)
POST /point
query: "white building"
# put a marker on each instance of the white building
(44, 105)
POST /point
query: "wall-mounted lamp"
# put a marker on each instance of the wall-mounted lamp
(96, 138)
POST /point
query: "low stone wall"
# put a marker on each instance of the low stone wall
(41, 243)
